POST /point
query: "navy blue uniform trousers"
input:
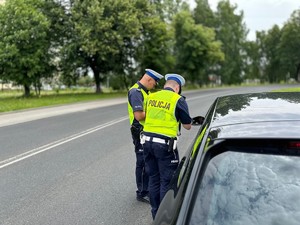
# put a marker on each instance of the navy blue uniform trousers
(141, 176)
(161, 165)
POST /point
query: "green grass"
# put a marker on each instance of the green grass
(296, 89)
(13, 100)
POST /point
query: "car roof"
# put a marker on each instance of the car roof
(270, 114)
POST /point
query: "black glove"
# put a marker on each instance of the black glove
(136, 131)
(198, 120)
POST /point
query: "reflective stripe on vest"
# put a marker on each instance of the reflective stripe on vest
(160, 113)
(130, 110)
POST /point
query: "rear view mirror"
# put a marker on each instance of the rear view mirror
(197, 120)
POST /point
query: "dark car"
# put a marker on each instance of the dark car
(243, 168)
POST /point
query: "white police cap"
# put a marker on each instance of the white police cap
(178, 78)
(155, 75)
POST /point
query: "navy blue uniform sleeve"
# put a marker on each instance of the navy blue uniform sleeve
(136, 99)
(182, 112)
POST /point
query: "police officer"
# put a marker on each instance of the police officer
(165, 110)
(136, 109)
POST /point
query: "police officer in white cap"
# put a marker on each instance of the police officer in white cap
(136, 109)
(166, 109)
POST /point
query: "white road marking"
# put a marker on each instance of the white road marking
(54, 144)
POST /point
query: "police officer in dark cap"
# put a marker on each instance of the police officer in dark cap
(166, 109)
(136, 109)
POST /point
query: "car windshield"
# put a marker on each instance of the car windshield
(243, 188)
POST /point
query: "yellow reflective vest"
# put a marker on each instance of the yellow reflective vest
(130, 110)
(160, 113)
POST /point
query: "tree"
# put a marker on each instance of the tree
(100, 30)
(24, 45)
(195, 48)
(166, 9)
(203, 14)
(154, 43)
(232, 32)
(149, 49)
(273, 69)
(253, 68)
(289, 46)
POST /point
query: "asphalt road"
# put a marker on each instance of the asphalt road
(74, 164)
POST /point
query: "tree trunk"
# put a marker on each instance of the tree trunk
(36, 89)
(298, 73)
(96, 70)
(97, 81)
(26, 90)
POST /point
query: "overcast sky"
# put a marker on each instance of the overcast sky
(261, 14)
